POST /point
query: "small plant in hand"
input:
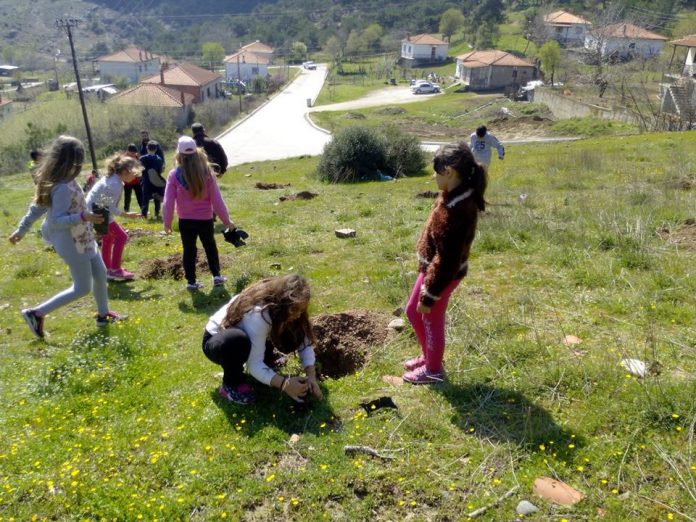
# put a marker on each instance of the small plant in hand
(101, 207)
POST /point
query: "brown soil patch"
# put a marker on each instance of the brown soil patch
(305, 194)
(271, 186)
(140, 232)
(683, 183)
(171, 266)
(683, 235)
(344, 340)
(391, 111)
(428, 194)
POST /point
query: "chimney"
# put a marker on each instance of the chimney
(162, 74)
(408, 37)
(183, 100)
(140, 55)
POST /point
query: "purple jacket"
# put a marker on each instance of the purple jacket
(189, 208)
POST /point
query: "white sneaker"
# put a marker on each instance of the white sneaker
(219, 280)
(194, 286)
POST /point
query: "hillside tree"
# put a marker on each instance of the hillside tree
(550, 56)
(298, 52)
(356, 44)
(451, 21)
(372, 36)
(213, 53)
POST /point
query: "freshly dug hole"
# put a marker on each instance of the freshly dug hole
(344, 340)
(172, 266)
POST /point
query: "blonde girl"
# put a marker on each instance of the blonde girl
(272, 309)
(193, 190)
(68, 228)
(106, 193)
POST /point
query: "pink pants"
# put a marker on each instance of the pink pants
(113, 243)
(430, 328)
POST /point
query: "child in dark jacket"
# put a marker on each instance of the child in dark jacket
(443, 253)
(152, 182)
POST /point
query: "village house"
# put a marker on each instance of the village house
(249, 61)
(155, 95)
(421, 50)
(566, 28)
(494, 70)
(130, 63)
(624, 40)
(189, 78)
(679, 90)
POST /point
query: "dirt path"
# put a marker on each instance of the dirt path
(387, 96)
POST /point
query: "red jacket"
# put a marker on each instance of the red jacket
(444, 245)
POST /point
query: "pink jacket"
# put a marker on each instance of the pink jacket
(189, 208)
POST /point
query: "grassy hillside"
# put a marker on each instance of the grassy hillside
(125, 423)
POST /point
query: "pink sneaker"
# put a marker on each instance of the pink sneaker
(119, 274)
(423, 376)
(414, 363)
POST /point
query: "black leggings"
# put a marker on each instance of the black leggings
(190, 230)
(127, 191)
(230, 349)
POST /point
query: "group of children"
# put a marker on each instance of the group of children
(272, 309)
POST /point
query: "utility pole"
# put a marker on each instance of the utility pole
(239, 85)
(68, 24)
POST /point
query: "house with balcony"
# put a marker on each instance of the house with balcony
(566, 28)
(422, 50)
(678, 90)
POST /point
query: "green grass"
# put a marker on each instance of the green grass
(124, 422)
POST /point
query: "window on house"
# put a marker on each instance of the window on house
(514, 73)
(632, 45)
(559, 30)
(254, 70)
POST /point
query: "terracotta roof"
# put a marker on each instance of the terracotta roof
(624, 30)
(130, 55)
(185, 74)
(248, 57)
(5, 101)
(152, 95)
(424, 39)
(257, 47)
(564, 18)
(687, 41)
(487, 58)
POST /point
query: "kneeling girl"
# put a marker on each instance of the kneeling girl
(272, 309)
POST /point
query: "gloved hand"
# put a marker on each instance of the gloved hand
(236, 236)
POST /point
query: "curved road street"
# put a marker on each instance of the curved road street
(279, 129)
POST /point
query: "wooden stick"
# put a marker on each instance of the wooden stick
(482, 510)
(368, 450)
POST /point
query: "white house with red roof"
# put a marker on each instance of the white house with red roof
(251, 60)
(130, 63)
(566, 28)
(494, 70)
(155, 95)
(5, 107)
(422, 49)
(201, 83)
(624, 40)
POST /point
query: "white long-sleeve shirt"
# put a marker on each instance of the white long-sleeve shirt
(107, 193)
(481, 148)
(256, 323)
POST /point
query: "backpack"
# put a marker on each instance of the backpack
(155, 179)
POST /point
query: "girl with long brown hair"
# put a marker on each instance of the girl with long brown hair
(68, 228)
(194, 191)
(272, 309)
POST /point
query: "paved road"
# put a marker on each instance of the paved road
(388, 96)
(279, 129)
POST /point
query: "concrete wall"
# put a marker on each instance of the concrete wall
(495, 77)
(625, 46)
(564, 107)
(569, 35)
(423, 53)
(246, 71)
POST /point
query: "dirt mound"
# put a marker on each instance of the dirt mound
(391, 111)
(173, 268)
(683, 235)
(271, 186)
(140, 232)
(354, 116)
(428, 194)
(305, 194)
(344, 340)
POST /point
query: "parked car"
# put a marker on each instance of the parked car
(237, 86)
(423, 87)
(310, 65)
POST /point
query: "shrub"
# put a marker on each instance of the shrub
(404, 154)
(360, 154)
(354, 154)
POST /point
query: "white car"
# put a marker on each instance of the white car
(310, 65)
(424, 87)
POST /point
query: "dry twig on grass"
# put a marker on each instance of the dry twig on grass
(482, 510)
(368, 450)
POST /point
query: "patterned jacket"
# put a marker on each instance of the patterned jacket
(444, 245)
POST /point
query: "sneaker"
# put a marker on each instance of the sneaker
(240, 394)
(194, 286)
(119, 274)
(219, 280)
(110, 318)
(414, 363)
(34, 321)
(423, 376)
